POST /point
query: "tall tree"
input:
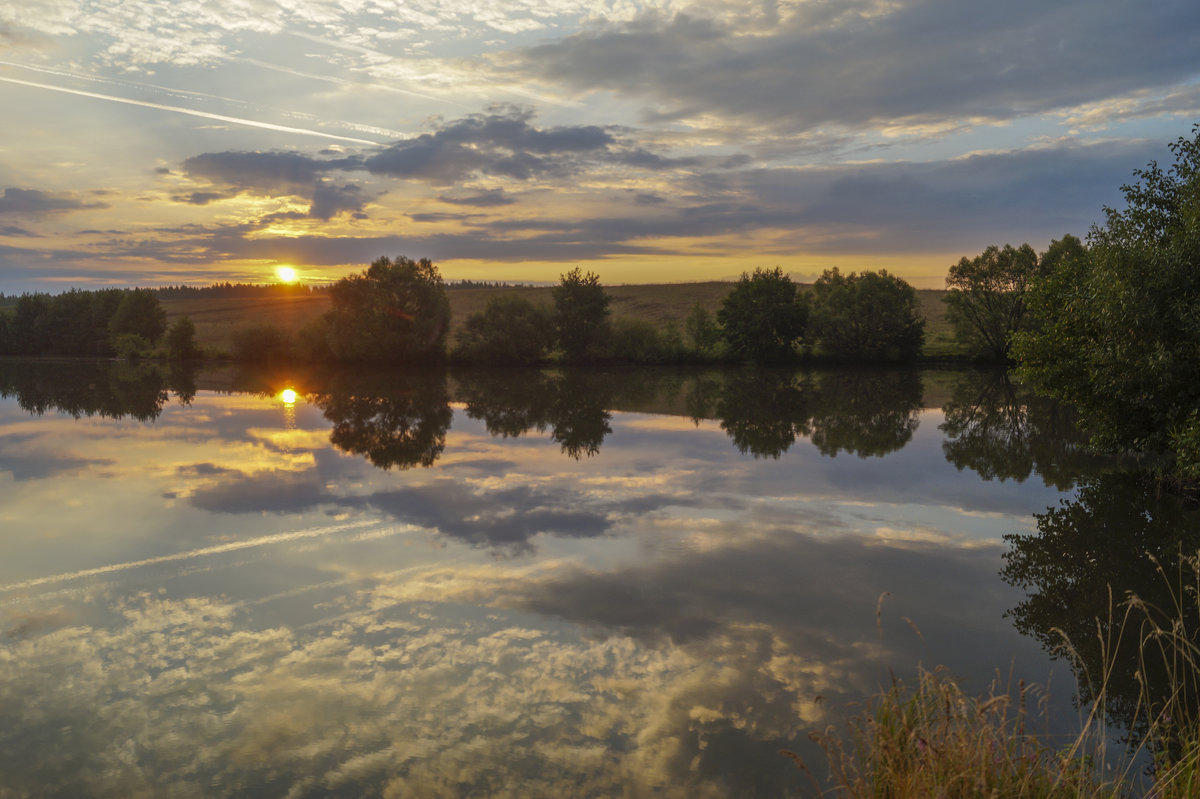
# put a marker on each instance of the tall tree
(763, 317)
(581, 313)
(1117, 331)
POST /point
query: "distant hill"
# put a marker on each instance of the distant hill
(217, 314)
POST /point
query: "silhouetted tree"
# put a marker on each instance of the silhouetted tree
(396, 311)
(509, 331)
(868, 316)
(139, 314)
(581, 314)
(181, 340)
(763, 318)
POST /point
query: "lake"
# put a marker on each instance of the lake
(524, 583)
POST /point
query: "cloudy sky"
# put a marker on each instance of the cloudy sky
(155, 141)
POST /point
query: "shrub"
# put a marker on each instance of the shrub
(510, 330)
(868, 316)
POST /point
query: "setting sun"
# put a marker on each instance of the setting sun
(286, 274)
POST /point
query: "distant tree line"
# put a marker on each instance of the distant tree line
(227, 290)
(108, 322)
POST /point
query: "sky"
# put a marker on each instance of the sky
(152, 142)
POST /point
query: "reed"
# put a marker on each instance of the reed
(929, 738)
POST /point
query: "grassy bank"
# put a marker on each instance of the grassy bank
(661, 304)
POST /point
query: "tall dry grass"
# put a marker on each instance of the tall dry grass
(928, 739)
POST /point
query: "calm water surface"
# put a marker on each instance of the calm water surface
(524, 583)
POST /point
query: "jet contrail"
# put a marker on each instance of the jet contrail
(266, 540)
(190, 112)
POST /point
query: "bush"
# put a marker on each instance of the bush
(868, 316)
(395, 311)
(181, 341)
(509, 331)
(261, 343)
(762, 319)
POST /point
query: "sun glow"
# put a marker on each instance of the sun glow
(286, 274)
(288, 396)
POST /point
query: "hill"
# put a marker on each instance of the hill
(217, 317)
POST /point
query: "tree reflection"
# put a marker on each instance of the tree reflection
(1120, 536)
(764, 411)
(115, 390)
(868, 413)
(572, 405)
(395, 420)
(865, 412)
(999, 429)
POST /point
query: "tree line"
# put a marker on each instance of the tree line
(128, 323)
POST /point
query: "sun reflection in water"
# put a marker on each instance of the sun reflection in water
(288, 398)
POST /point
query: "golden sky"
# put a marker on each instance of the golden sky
(148, 142)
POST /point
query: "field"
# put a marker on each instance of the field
(217, 317)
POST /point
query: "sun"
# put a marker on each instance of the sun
(286, 274)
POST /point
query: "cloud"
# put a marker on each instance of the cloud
(869, 63)
(273, 174)
(35, 201)
(484, 199)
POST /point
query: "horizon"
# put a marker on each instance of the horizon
(651, 142)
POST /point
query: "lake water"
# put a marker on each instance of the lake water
(523, 583)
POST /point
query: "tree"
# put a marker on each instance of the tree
(1116, 331)
(868, 316)
(581, 313)
(139, 314)
(986, 299)
(510, 330)
(181, 340)
(763, 318)
(395, 311)
(703, 333)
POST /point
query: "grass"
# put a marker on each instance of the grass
(930, 739)
(216, 318)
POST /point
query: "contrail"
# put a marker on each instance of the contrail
(190, 112)
(266, 540)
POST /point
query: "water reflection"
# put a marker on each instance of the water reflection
(95, 388)
(999, 429)
(1120, 535)
(397, 584)
(572, 404)
(394, 420)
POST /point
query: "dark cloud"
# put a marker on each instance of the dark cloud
(13, 230)
(860, 63)
(505, 520)
(34, 201)
(275, 174)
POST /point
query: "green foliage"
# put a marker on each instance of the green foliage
(261, 343)
(641, 341)
(986, 299)
(510, 330)
(703, 332)
(868, 316)
(1118, 329)
(181, 340)
(131, 346)
(762, 319)
(396, 311)
(581, 314)
(141, 314)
